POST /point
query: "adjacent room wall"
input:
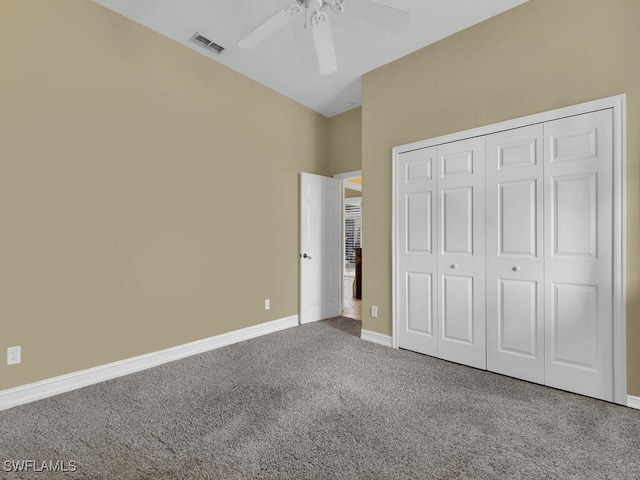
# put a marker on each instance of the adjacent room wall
(540, 56)
(148, 195)
(352, 193)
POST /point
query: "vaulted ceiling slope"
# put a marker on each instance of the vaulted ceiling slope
(286, 60)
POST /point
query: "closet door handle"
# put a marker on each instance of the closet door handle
(455, 265)
(516, 268)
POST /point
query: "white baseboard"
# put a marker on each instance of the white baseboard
(13, 397)
(376, 337)
(633, 402)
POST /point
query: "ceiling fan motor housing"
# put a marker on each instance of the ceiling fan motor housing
(316, 5)
(312, 4)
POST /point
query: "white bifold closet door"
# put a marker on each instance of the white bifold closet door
(505, 252)
(440, 251)
(578, 184)
(461, 252)
(515, 253)
(417, 248)
(549, 268)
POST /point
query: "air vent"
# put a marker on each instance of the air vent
(206, 43)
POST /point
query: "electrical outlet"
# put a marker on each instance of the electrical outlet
(267, 304)
(374, 311)
(14, 355)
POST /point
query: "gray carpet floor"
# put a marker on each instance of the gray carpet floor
(317, 402)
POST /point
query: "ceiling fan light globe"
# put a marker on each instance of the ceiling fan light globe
(336, 6)
(294, 10)
(319, 17)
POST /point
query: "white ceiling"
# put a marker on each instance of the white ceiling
(286, 61)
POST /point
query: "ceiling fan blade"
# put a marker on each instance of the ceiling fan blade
(274, 23)
(378, 15)
(325, 50)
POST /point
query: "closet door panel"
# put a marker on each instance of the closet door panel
(419, 303)
(515, 293)
(461, 229)
(416, 244)
(518, 217)
(578, 254)
(457, 309)
(518, 318)
(457, 221)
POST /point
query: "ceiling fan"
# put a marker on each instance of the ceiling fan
(317, 19)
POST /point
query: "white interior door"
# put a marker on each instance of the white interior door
(417, 247)
(461, 258)
(320, 256)
(578, 253)
(515, 257)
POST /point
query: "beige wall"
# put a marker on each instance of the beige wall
(543, 55)
(345, 146)
(352, 193)
(123, 230)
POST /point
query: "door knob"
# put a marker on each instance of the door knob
(454, 265)
(306, 256)
(516, 268)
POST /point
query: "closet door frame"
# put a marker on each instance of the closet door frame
(618, 105)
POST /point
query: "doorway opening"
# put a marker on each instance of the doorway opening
(351, 275)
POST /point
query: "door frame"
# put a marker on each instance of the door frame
(343, 177)
(618, 104)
